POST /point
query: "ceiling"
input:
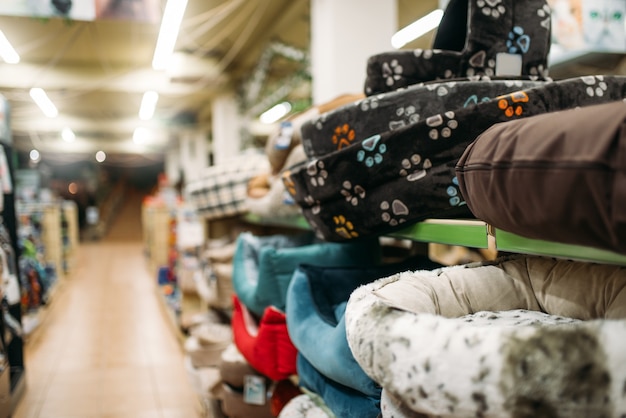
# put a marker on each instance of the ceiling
(96, 72)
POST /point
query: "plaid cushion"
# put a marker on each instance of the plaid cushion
(222, 189)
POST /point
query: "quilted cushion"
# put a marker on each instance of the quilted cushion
(500, 37)
(521, 336)
(558, 177)
(396, 178)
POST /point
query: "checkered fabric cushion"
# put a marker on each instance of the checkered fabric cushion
(222, 189)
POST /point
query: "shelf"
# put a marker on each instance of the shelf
(506, 241)
(298, 222)
(467, 233)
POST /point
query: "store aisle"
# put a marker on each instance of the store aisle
(105, 347)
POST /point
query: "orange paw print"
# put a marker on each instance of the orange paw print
(343, 136)
(514, 107)
(344, 227)
(289, 184)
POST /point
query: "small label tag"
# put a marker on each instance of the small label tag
(254, 390)
(508, 64)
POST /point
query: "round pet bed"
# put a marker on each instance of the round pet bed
(518, 337)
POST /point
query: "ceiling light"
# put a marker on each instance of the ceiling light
(68, 135)
(43, 101)
(140, 136)
(148, 104)
(100, 156)
(34, 155)
(275, 113)
(416, 29)
(170, 25)
(7, 52)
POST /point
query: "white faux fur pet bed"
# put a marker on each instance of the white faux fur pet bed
(518, 337)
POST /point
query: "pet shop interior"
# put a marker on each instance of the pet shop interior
(313, 208)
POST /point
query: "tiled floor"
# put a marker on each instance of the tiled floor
(105, 347)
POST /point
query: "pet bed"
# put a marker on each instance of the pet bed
(264, 265)
(396, 178)
(353, 123)
(558, 177)
(265, 343)
(341, 400)
(316, 301)
(306, 406)
(476, 37)
(522, 336)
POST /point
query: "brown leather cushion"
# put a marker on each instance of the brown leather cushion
(558, 176)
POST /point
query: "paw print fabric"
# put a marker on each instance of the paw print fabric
(353, 123)
(494, 27)
(407, 175)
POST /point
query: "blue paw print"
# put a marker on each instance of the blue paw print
(518, 41)
(454, 193)
(372, 152)
(473, 100)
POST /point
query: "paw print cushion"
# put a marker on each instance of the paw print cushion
(399, 177)
(353, 123)
(520, 336)
(500, 38)
(558, 177)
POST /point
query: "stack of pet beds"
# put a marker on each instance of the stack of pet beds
(221, 189)
(522, 336)
(263, 267)
(390, 160)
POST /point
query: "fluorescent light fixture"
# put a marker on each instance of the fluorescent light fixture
(7, 52)
(148, 104)
(416, 29)
(170, 25)
(43, 101)
(68, 135)
(141, 135)
(275, 113)
(100, 156)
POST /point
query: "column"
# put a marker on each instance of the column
(344, 34)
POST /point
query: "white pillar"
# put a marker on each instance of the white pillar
(344, 34)
(193, 155)
(226, 122)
